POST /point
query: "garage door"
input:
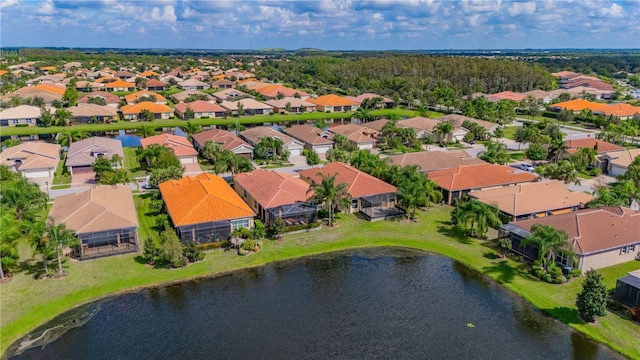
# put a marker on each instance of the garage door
(186, 160)
(321, 149)
(295, 152)
(82, 170)
(31, 174)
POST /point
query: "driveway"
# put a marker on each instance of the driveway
(192, 169)
(83, 179)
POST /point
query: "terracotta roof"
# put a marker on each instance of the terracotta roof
(538, 94)
(528, 198)
(33, 155)
(155, 83)
(566, 74)
(272, 189)
(419, 124)
(224, 94)
(360, 98)
(254, 134)
(21, 112)
(119, 84)
(479, 176)
(192, 82)
(377, 124)
(246, 103)
(109, 98)
(593, 230)
(57, 89)
(435, 160)
(181, 96)
(180, 145)
(622, 158)
(620, 109)
(199, 106)
(222, 82)
(332, 100)
(144, 93)
(458, 120)
(145, 105)
(603, 146)
(201, 199)
(274, 90)
(88, 110)
(356, 133)
(101, 208)
(227, 140)
(81, 152)
(33, 91)
(508, 95)
(295, 102)
(309, 134)
(360, 183)
(149, 73)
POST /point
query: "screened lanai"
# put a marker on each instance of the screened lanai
(299, 213)
(380, 207)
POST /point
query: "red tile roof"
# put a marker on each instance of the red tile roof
(478, 176)
(272, 189)
(332, 100)
(199, 106)
(145, 105)
(227, 140)
(603, 146)
(203, 198)
(360, 183)
(180, 145)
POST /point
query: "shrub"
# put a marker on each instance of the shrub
(243, 252)
(192, 253)
(214, 245)
(260, 243)
(540, 273)
(559, 279)
(614, 305)
(301, 227)
(575, 272)
(635, 313)
(547, 277)
(249, 245)
(150, 251)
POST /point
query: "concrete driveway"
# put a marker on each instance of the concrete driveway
(83, 179)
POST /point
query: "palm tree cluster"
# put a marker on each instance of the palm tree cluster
(333, 196)
(624, 192)
(476, 216)
(225, 160)
(163, 163)
(270, 149)
(399, 138)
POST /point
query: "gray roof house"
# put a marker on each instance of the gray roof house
(82, 154)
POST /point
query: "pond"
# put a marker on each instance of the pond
(378, 303)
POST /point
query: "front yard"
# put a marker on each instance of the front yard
(26, 302)
(132, 165)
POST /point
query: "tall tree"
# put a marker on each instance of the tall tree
(496, 153)
(481, 215)
(592, 300)
(22, 196)
(36, 233)
(9, 233)
(59, 239)
(62, 117)
(444, 131)
(146, 131)
(332, 195)
(550, 242)
(190, 128)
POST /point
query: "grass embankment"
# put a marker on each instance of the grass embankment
(27, 303)
(61, 178)
(171, 123)
(131, 163)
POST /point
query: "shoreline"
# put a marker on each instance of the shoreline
(294, 247)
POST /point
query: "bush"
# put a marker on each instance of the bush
(547, 277)
(559, 279)
(243, 252)
(150, 251)
(249, 245)
(635, 313)
(192, 253)
(214, 245)
(575, 272)
(301, 227)
(614, 305)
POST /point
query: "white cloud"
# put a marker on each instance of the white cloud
(522, 8)
(168, 14)
(7, 3)
(615, 11)
(46, 8)
(142, 30)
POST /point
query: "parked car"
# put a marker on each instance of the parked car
(526, 167)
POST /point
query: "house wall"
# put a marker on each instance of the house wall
(615, 170)
(20, 121)
(608, 258)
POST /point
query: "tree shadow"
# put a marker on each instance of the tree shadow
(140, 260)
(490, 255)
(32, 267)
(565, 314)
(453, 232)
(504, 272)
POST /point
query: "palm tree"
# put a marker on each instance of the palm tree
(36, 231)
(550, 243)
(9, 233)
(606, 196)
(190, 128)
(23, 197)
(117, 160)
(480, 214)
(330, 194)
(496, 153)
(211, 150)
(410, 194)
(444, 130)
(62, 117)
(146, 115)
(67, 137)
(146, 131)
(151, 153)
(363, 114)
(59, 238)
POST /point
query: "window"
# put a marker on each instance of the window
(623, 250)
(562, 259)
(632, 248)
(354, 203)
(16, 121)
(240, 224)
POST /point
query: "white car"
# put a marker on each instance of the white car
(526, 167)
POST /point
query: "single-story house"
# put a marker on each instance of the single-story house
(376, 124)
(459, 131)
(155, 85)
(229, 95)
(601, 146)
(92, 113)
(617, 162)
(424, 127)
(119, 85)
(333, 103)
(363, 137)
(181, 146)
(314, 139)
(133, 112)
(273, 91)
(374, 198)
(295, 105)
(182, 96)
(124, 74)
(103, 218)
(460, 180)
(193, 84)
(200, 108)
(435, 160)
(599, 237)
(89, 86)
(20, 115)
(30, 92)
(249, 106)
(272, 194)
(227, 141)
(628, 289)
(254, 134)
(532, 200)
(144, 95)
(205, 208)
(83, 153)
(384, 103)
(110, 99)
(32, 159)
(223, 84)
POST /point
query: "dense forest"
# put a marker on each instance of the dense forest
(406, 76)
(603, 65)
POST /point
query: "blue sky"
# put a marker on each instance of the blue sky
(325, 24)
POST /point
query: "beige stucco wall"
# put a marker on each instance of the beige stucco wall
(609, 258)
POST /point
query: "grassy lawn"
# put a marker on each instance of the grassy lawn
(27, 303)
(61, 177)
(257, 119)
(517, 156)
(510, 132)
(132, 164)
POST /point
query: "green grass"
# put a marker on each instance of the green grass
(61, 176)
(27, 303)
(517, 156)
(510, 132)
(132, 164)
(257, 119)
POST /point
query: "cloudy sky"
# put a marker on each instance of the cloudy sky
(325, 24)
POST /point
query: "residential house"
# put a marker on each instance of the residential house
(32, 159)
(122, 75)
(254, 134)
(314, 139)
(229, 95)
(617, 162)
(372, 197)
(181, 146)
(291, 105)
(532, 200)
(249, 107)
(274, 91)
(362, 136)
(333, 103)
(506, 95)
(601, 146)
(384, 103)
(460, 180)
(599, 237)
(22, 115)
(227, 141)
(89, 86)
(628, 289)
(83, 153)
(184, 95)
(30, 92)
(110, 99)
(193, 84)
(223, 84)
(542, 96)
(200, 108)
(149, 74)
(205, 208)
(622, 111)
(119, 85)
(92, 113)
(156, 85)
(103, 218)
(377, 125)
(434, 160)
(272, 194)
(460, 131)
(424, 127)
(144, 95)
(133, 112)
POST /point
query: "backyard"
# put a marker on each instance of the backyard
(27, 303)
